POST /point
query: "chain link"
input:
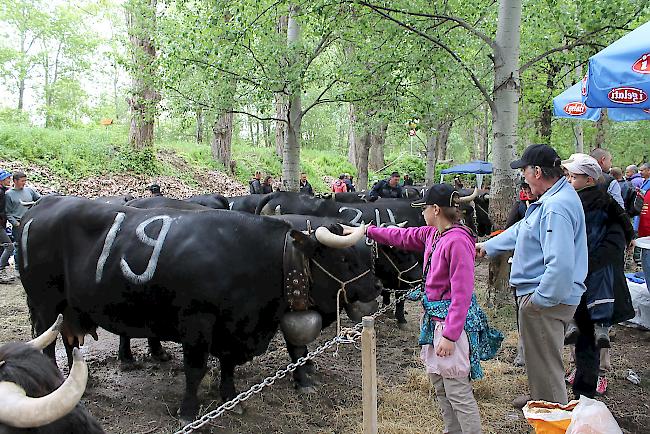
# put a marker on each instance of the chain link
(346, 336)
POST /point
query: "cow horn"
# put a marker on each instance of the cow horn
(466, 199)
(324, 236)
(403, 224)
(486, 196)
(21, 411)
(278, 210)
(48, 336)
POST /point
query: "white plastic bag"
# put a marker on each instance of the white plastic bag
(592, 417)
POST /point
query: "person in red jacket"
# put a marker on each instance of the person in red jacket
(644, 231)
(339, 185)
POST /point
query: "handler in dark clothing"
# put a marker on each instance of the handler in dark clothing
(518, 211)
(6, 246)
(407, 180)
(305, 186)
(607, 298)
(387, 188)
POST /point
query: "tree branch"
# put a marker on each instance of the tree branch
(464, 24)
(313, 104)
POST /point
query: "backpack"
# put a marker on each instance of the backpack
(628, 193)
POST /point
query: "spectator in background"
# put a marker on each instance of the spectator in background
(628, 192)
(339, 186)
(154, 190)
(6, 245)
(15, 198)
(267, 185)
(632, 174)
(407, 180)
(255, 184)
(348, 182)
(608, 183)
(644, 231)
(386, 188)
(518, 211)
(305, 186)
(458, 183)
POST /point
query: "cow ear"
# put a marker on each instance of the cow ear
(303, 242)
(336, 229)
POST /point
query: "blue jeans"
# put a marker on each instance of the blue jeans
(6, 248)
(645, 263)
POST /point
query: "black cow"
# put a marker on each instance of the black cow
(394, 268)
(390, 211)
(183, 276)
(115, 200)
(35, 398)
(165, 202)
(214, 201)
(246, 203)
(476, 216)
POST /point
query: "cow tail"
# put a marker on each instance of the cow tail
(262, 203)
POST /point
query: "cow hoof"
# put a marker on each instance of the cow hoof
(305, 390)
(402, 326)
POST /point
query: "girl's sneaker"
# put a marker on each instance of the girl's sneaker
(572, 376)
(601, 386)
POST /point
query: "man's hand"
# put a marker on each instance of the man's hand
(445, 347)
(480, 250)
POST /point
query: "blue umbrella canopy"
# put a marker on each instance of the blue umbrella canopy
(477, 167)
(569, 104)
(619, 75)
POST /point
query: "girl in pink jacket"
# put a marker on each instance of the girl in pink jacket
(449, 277)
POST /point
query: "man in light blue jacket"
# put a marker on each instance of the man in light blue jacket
(548, 269)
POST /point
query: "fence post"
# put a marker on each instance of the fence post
(369, 368)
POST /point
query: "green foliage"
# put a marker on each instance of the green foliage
(14, 116)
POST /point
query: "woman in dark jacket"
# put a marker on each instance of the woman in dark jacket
(606, 300)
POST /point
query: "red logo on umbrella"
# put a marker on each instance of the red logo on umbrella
(647, 111)
(642, 66)
(575, 108)
(627, 95)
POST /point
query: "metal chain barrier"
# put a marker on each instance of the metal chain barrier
(346, 336)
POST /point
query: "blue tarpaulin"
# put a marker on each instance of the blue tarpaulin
(477, 167)
(619, 75)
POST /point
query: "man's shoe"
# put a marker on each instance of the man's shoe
(602, 336)
(601, 386)
(520, 401)
(571, 334)
(571, 377)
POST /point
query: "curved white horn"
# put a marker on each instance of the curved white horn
(48, 336)
(278, 210)
(403, 224)
(20, 411)
(486, 196)
(324, 236)
(465, 199)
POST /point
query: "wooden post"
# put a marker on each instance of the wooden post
(369, 368)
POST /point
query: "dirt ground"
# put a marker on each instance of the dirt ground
(145, 400)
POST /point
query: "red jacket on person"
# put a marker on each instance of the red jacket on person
(644, 217)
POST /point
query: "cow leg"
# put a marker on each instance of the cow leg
(195, 360)
(124, 353)
(385, 298)
(399, 314)
(157, 351)
(303, 383)
(227, 387)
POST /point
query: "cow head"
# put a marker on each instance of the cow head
(334, 263)
(32, 391)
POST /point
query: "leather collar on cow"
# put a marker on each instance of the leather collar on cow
(296, 276)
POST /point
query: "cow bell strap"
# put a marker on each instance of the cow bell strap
(296, 276)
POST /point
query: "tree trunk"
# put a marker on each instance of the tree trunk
(251, 132)
(200, 118)
(504, 124)
(600, 129)
(432, 151)
(281, 100)
(291, 151)
(363, 145)
(547, 111)
(221, 143)
(444, 128)
(376, 158)
(352, 142)
(266, 132)
(144, 97)
(580, 138)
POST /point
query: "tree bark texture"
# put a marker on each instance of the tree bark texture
(432, 152)
(376, 158)
(281, 100)
(221, 143)
(580, 138)
(291, 151)
(200, 118)
(504, 123)
(144, 98)
(363, 144)
(352, 141)
(599, 140)
(442, 137)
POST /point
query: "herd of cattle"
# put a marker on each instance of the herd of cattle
(190, 271)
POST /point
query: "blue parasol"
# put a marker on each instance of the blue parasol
(569, 104)
(619, 75)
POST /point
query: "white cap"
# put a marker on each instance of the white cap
(583, 164)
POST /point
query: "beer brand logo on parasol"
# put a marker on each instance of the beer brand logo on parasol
(627, 95)
(642, 66)
(575, 108)
(647, 111)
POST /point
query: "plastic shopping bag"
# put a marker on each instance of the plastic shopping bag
(549, 417)
(592, 417)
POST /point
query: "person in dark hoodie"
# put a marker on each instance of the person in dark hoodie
(607, 299)
(6, 245)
